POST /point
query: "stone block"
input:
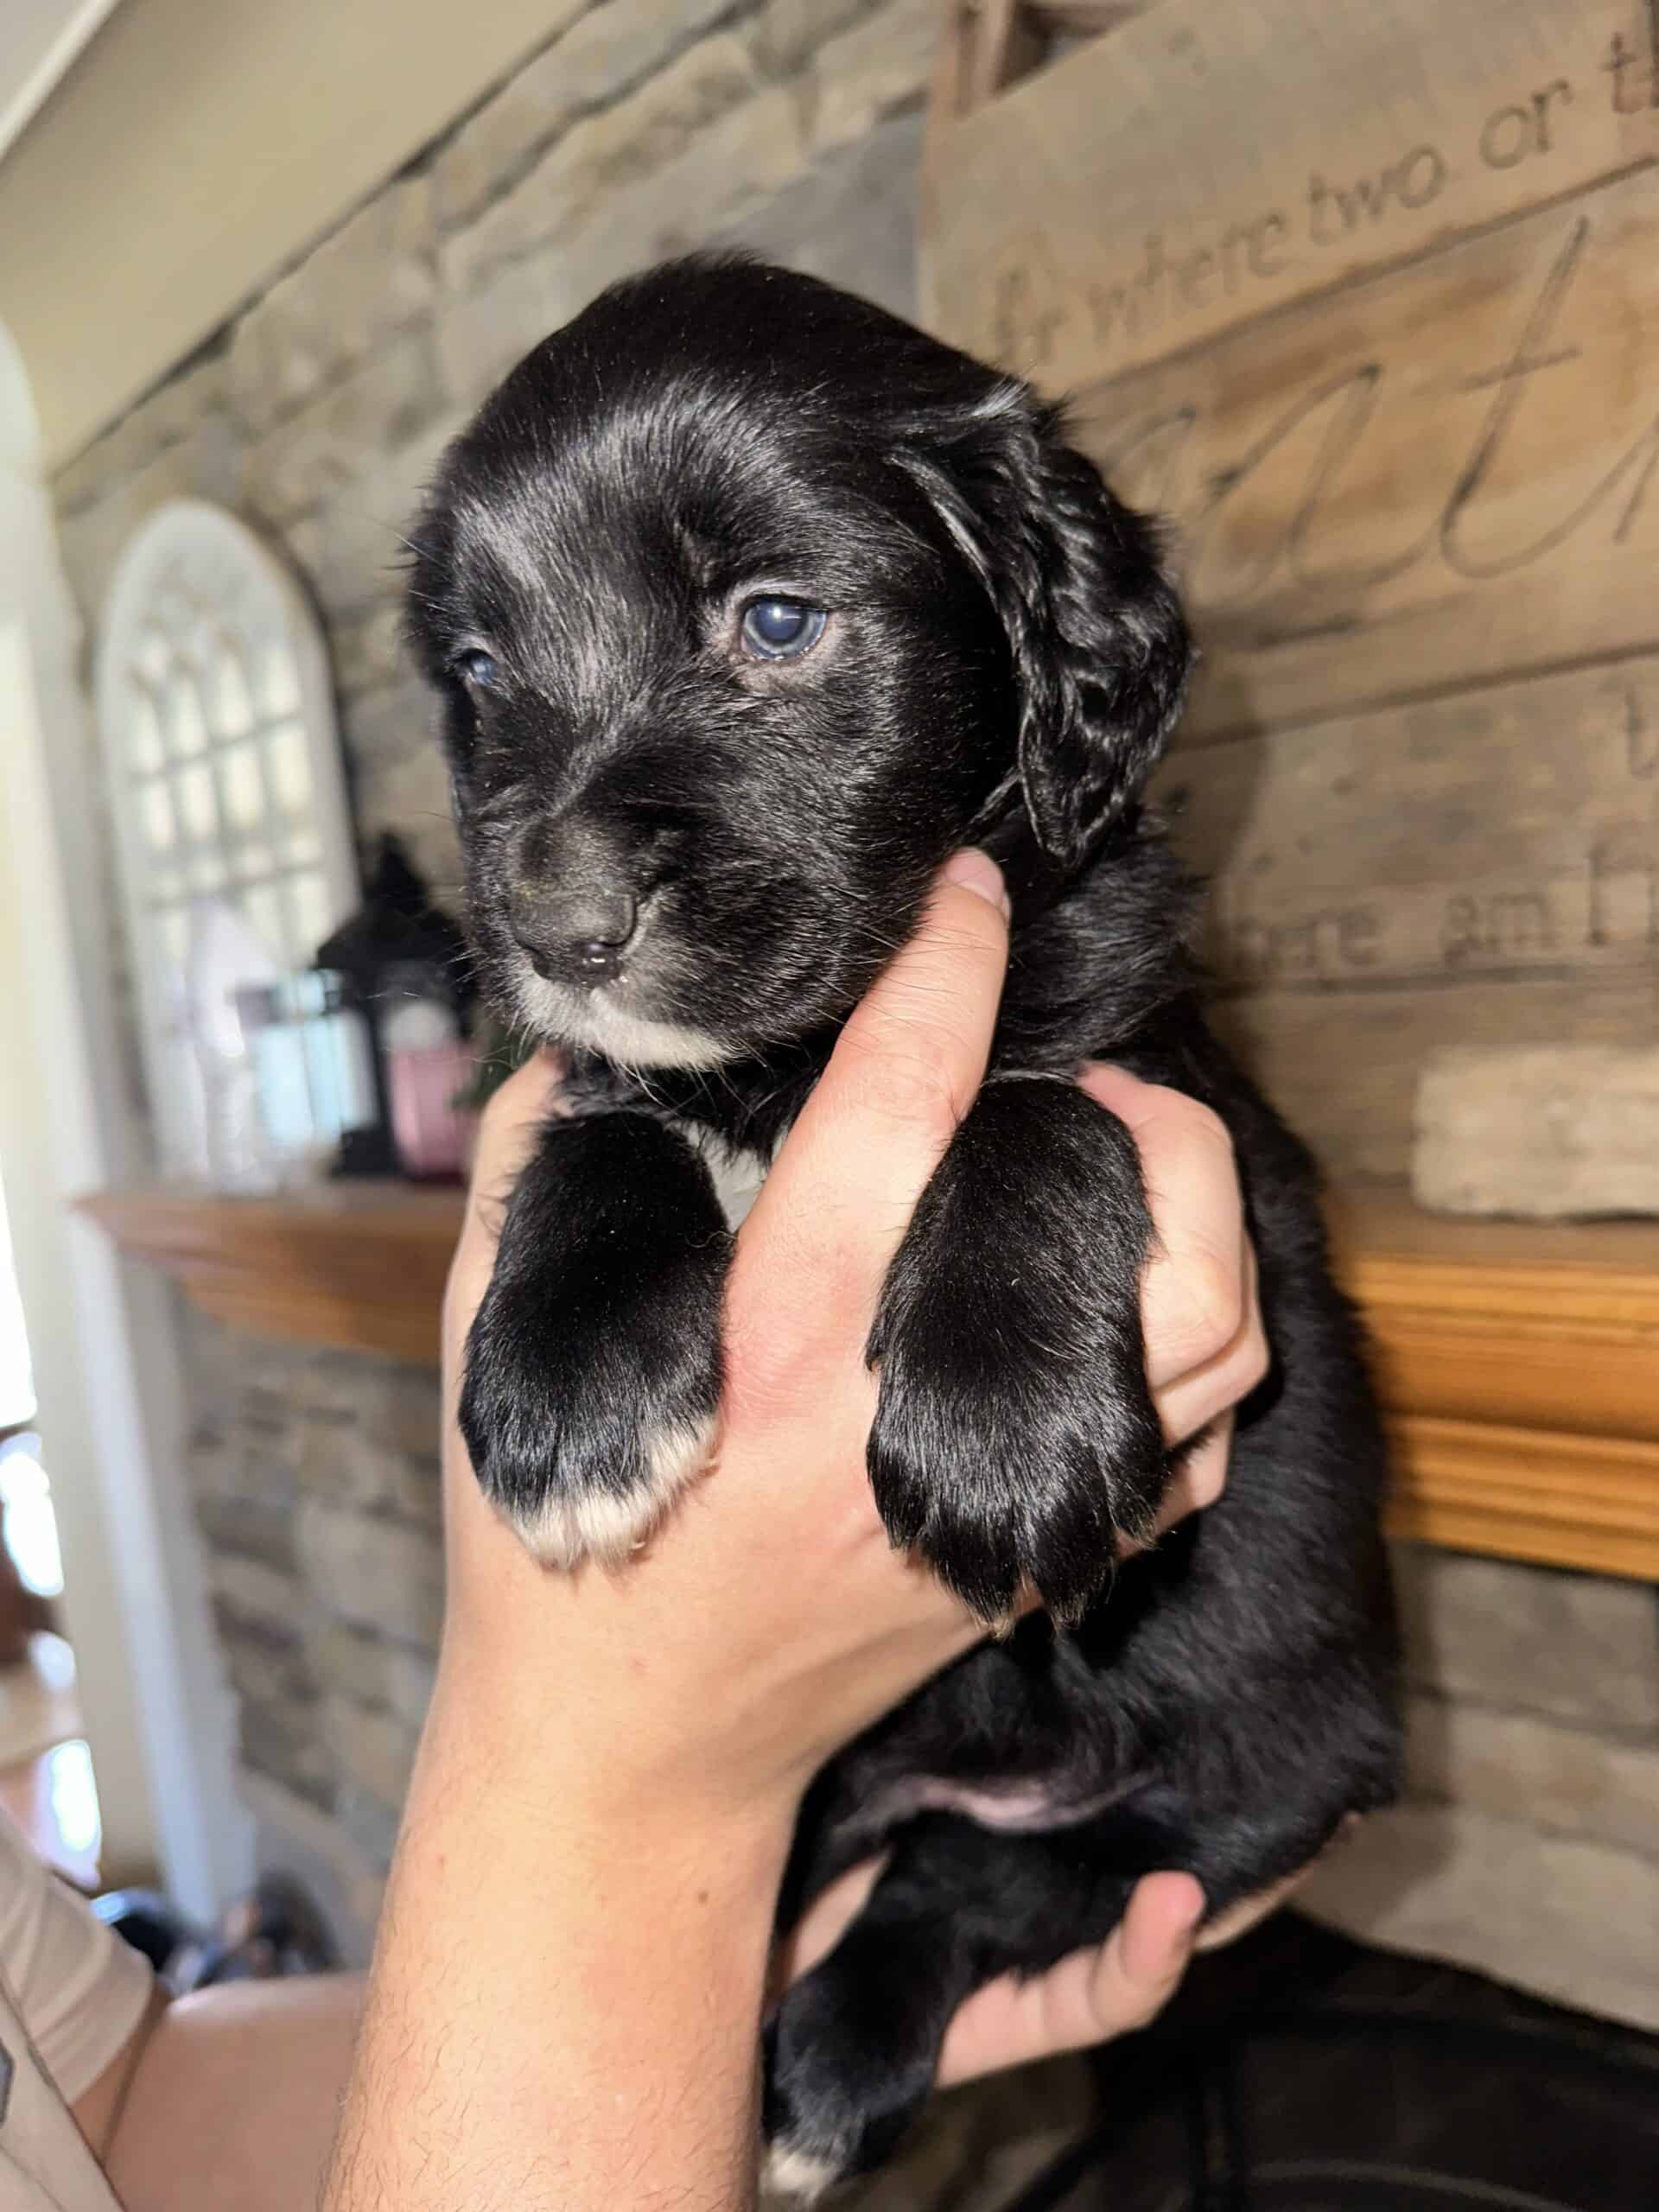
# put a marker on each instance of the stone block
(351, 549)
(1542, 1130)
(381, 728)
(403, 1409)
(253, 1525)
(1577, 1647)
(787, 31)
(1568, 1919)
(348, 1661)
(604, 54)
(350, 1464)
(371, 1747)
(1520, 1768)
(175, 411)
(376, 1573)
(374, 275)
(368, 652)
(284, 1743)
(608, 152)
(731, 169)
(369, 1826)
(410, 1675)
(851, 220)
(266, 1665)
(365, 1668)
(254, 1589)
(481, 337)
(318, 453)
(881, 65)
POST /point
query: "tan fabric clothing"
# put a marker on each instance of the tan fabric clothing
(71, 1994)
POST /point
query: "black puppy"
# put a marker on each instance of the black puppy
(748, 604)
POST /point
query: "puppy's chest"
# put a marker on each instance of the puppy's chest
(738, 1173)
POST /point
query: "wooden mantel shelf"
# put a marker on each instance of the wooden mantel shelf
(1519, 1362)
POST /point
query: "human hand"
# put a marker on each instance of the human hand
(776, 1613)
(1097, 1992)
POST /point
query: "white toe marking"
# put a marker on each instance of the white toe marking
(788, 2172)
(603, 1526)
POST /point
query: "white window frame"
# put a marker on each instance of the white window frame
(192, 564)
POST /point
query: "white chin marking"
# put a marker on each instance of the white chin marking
(588, 1020)
(603, 1526)
(786, 2172)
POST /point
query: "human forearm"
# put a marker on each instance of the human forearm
(564, 2004)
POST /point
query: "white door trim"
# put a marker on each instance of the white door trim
(157, 1712)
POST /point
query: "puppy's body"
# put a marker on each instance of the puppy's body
(690, 849)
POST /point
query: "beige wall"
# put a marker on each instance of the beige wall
(199, 144)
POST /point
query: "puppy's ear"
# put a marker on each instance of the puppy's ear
(1099, 644)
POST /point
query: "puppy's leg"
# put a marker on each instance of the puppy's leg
(851, 2056)
(1015, 1436)
(594, 1368)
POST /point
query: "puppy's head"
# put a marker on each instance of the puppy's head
(746, 602)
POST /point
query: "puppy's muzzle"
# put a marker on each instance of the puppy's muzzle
(574, 932)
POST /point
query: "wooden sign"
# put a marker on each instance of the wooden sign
(1364, 295)
(1205, 164)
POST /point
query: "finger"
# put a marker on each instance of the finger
(1193, 1400)
(1096, 1993)
(905, 1070)
(507, 1131)
(1195, 1296)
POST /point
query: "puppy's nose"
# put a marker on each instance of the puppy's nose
(574, 936)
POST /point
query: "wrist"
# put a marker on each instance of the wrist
(513, 1728)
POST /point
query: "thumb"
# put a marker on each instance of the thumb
(904, 1071)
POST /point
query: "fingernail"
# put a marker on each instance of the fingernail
(978, 873)
(1191, 1911)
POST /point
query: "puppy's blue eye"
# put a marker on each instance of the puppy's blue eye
(477, 667)
(781, 629)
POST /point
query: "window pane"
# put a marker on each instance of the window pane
(229, 701)
(156, 818)
(243, 787)
(308, 900)
(197, 807)
(289, 764)
(186, 725)
(275, 686)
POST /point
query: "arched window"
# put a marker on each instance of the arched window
(227, 791)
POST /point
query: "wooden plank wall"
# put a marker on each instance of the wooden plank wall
(1364, 294)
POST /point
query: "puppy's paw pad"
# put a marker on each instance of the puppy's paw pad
(610, 1524)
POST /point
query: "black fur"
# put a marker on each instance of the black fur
(707, 858)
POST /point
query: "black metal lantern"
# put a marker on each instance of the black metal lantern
(397, 945)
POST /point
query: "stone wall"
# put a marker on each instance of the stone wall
(1527, 1845)
(644, 126)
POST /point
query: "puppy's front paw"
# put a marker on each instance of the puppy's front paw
(583, 1426)
(594, 1368)
(1007, 1461)
(1015, 1440)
